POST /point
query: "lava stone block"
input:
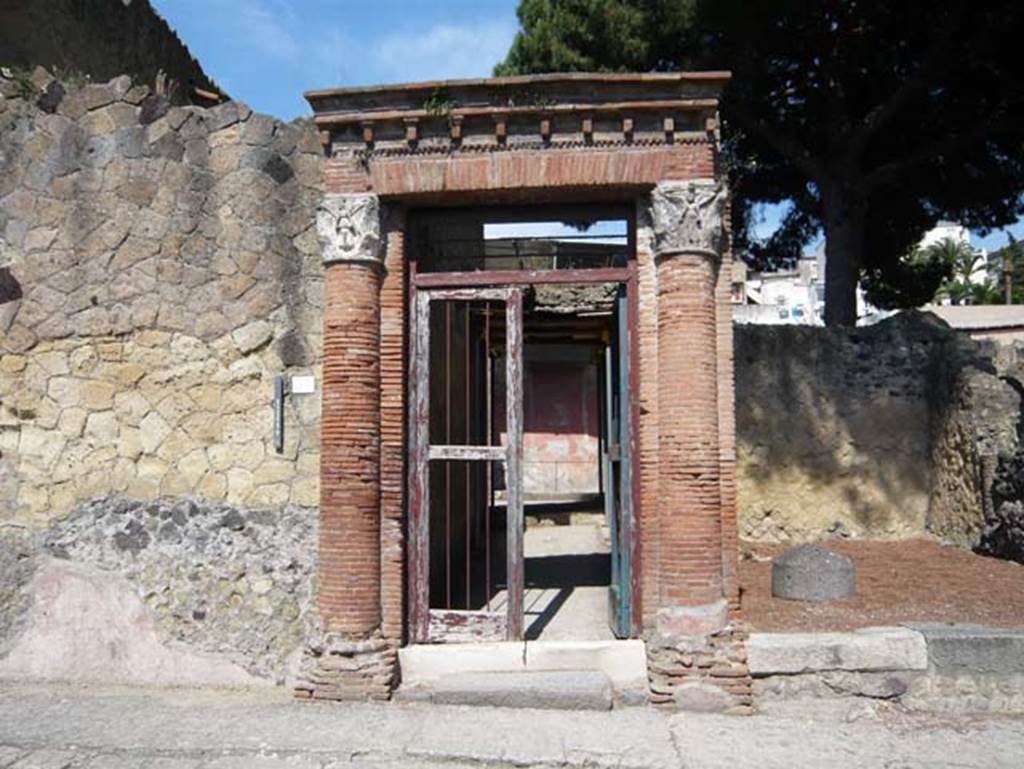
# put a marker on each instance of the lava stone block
(813, 573)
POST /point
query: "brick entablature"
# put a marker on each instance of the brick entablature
(650, 141)
(558, 111)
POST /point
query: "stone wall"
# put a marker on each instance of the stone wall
(158, 269)
(63, 35)
(978, 496)
(833, 430)
(236, 584)
(890, 431)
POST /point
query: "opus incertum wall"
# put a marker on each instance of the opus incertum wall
(159, 268)
(646, 140)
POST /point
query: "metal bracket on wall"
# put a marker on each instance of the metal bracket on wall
(279, 393)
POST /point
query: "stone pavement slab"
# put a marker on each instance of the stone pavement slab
(54, 727)
(204, 727)
(861, 736)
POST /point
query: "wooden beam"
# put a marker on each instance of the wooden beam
(514, 464)
(454, 626)
(419, 487)
(468, 453)
(521, 277)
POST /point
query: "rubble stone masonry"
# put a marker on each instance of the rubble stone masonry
(159, 267)
(886, 432)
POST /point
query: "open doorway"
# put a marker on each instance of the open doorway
(520, 493)
(568, 333)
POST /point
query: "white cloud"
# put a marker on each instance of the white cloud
(265, 30)
(332, 57)
(444, 51)
(241, 26)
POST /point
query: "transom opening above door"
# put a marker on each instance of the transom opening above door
(530, 239)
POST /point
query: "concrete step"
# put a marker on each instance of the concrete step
(554, 690)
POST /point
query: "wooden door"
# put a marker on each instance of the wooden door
(618, 491)
(465, 471)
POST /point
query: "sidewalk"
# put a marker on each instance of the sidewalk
(53, 727)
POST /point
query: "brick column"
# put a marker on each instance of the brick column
(695, 655)
(688, 241)
(350, 659)
(350, 423)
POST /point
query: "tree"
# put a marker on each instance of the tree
(1008, 262)
(874, 120)
(963, 262)
(909, 281)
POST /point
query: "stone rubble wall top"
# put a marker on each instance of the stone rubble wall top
(159, 267)
(120, 212)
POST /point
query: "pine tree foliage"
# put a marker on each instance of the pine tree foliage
(874, 120)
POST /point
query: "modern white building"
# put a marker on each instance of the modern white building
(959, 234)
(797, 296)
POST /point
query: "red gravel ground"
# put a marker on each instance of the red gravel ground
(916, 580)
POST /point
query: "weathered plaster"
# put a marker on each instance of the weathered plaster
(89, 626)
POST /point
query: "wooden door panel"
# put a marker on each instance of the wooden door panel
(464, 456)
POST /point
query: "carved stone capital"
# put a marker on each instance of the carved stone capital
(349, 228)
(688, 217)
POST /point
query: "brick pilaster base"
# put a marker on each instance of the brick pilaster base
(694, 672)
(334, 668)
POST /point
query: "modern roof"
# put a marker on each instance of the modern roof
(979, 316)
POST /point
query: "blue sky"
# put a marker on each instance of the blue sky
(267, 52)
(768, 216)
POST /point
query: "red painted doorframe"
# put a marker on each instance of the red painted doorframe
(416, 617)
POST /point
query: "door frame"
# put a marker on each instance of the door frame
(618, 462)
(452, 284)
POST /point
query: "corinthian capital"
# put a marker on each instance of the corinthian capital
(688, 217)
(349, 228)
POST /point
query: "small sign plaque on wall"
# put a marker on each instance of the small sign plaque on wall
(303, 385)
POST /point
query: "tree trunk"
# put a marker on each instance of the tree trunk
(844, 217)
(1008, 275)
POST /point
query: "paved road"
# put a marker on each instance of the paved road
(73, 728)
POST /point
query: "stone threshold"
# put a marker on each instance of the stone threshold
(623, 664)
(535, 689)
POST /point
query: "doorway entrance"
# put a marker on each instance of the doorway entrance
(521, 426)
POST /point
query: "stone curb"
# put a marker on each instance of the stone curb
(973, 649)
(559, 690)
(865, 650)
